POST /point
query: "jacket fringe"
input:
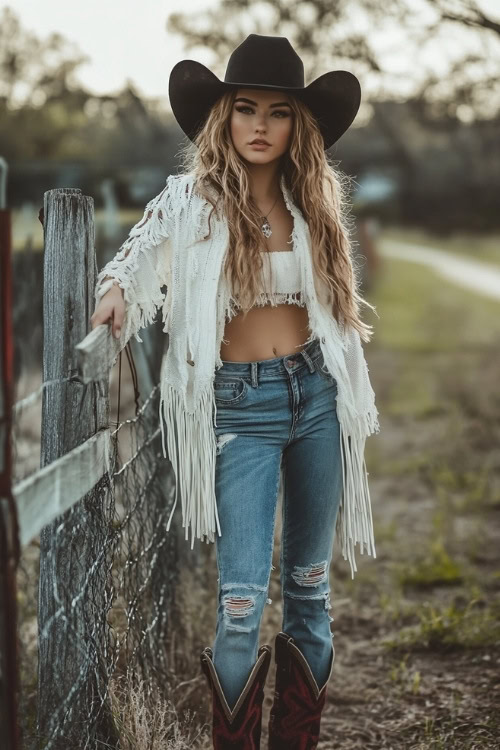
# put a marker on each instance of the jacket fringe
(157, 252)
(354, 519)
(191, 445)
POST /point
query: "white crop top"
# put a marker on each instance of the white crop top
(281, 279)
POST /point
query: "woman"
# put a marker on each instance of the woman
(264, 386)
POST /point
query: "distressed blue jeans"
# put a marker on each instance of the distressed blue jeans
(273, 414)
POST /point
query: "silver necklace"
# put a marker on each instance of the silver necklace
(266, 227)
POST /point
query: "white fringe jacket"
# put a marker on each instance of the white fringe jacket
(165, 249)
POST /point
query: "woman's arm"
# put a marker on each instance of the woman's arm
(128, 288)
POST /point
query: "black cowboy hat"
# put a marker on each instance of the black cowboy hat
(264, 62)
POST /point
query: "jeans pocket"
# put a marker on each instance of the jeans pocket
(229, 390)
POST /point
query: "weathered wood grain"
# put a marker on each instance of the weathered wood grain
(54, 489)
(71, 413)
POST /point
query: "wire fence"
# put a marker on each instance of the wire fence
(97, 574)
(117, 620)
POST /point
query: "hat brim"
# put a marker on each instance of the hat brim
(333, 98)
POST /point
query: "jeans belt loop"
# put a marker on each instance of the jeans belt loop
(309, 361)
(255, 380)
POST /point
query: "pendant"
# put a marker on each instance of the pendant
(266, 228)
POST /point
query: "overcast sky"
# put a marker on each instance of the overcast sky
(128, 39)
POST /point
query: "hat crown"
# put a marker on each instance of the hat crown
(265, 61)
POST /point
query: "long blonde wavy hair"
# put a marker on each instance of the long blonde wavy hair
(318, 189)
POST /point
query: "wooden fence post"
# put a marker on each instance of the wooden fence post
(71, 413)
(9, 537)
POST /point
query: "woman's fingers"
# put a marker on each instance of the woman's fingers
(119, 314)
(111, 309)
(101, 315)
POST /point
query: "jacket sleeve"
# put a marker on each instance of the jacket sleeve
(142, 265)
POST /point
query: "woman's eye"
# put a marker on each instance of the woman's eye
(280, 112)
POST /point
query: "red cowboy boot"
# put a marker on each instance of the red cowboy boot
(240, 728)
(295, 716)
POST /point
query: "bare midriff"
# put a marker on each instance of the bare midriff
(268, 331)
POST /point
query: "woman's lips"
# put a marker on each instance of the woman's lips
(259, 146)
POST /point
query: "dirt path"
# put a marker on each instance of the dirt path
(472, 274)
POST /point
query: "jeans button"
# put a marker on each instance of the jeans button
(290, 362)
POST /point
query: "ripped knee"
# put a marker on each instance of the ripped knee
(239, 606)
(310, 575)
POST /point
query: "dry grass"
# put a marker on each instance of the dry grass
(145, 719)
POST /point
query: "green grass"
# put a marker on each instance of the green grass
(434, 354)
(420, 312)
(436, 567)
(449, 627)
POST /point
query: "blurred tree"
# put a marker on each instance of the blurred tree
(470, 89)
(46, 114)
(320, 29)
(330, 32)
(32, 70)
(467, 13)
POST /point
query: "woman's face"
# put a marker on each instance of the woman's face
(261, 114)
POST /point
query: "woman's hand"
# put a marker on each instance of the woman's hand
(111, 309)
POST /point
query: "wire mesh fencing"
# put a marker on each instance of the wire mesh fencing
(116, 623)
(96, 585)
